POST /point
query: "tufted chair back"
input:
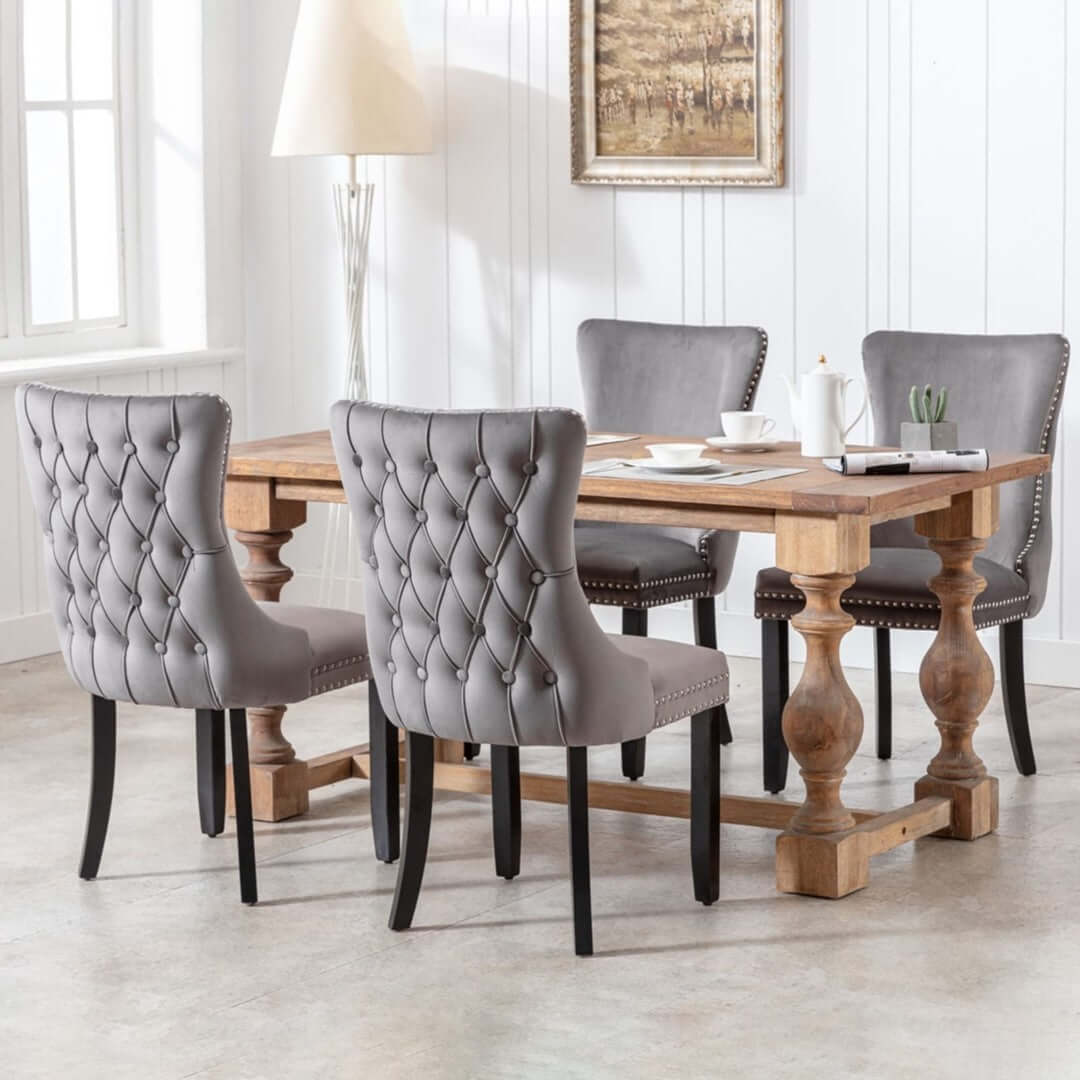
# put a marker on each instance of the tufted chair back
(1005, 394)
(148, 602)
(478, 628)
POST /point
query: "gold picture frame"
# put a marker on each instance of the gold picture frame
(678, 92)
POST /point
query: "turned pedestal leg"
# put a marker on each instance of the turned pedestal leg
(279, 780)
(957, 677)
(818, 853)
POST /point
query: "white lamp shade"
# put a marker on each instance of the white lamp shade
(351, 85)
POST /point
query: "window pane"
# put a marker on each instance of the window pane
(45, 49)
(96, 241)
(49, 218)
(92, 50)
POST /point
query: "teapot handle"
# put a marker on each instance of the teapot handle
(862, 409)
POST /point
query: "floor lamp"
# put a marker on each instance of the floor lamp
(350, 88)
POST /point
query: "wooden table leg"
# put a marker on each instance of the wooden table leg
(821, 852)
(263, 524)
(957, 677)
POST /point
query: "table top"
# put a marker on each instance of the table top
(309, 457)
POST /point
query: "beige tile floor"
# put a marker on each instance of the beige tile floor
(960, 960)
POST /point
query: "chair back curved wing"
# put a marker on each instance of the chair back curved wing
(147, 599)
(1005, 394)
(478, 628)
(659, 378)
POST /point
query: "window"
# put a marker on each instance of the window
(66, 201)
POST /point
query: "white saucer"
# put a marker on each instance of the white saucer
(757, 446)
(701, 465)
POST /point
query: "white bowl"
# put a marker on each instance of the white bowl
(676, 453)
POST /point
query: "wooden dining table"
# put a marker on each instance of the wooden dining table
(821, 522)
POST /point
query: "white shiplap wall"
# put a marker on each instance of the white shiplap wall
(930, 149)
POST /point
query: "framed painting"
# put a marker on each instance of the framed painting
(677, 92)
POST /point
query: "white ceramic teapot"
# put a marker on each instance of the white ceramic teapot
(819, 413)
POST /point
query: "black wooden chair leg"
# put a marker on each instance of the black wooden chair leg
(210, 769)
(245, 836)
(883, 691)
(635, 623)
(102, 773)
(1014, 693)
(506, 809)
(419, 795)
(705, 635)
(577, 805)
(705, 804)
(774, 695)
(383, 782)
(472, 749)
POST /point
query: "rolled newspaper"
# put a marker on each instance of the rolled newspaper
(885, 462)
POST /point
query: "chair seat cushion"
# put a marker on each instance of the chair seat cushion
(893, 591)
(635, 566)
(686, 679)
(338, 642)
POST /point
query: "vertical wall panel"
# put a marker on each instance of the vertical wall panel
(648, 254)
(948, 166)
(1067, 524)
(898, 169)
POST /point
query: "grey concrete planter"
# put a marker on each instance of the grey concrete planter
(941, 436)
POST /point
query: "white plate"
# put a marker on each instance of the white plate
(702, 465)
(722, 442)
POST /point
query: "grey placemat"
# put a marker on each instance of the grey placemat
(717, 473)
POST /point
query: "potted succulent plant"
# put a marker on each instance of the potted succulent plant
(928, 429)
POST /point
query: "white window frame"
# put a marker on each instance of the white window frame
(18, 337)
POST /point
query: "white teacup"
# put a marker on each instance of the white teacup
(746, 426)
(676, 453)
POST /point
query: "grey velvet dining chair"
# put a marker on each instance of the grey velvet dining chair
(146, 596)
(1005, 394)
(479, 630)
(655, 378)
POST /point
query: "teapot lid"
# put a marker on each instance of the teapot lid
(822, 367)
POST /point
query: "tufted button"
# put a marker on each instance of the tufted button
(146, 547)
(390, 466)
(91, 632)
(525, 629)
(135, 599)
(59, 447)
(200, 648)
(55, 491)
(83, 489)
(160, 648)
(186, 552)
(391, 667)
(395, 620)
(404, 570)
(91, 447)
(129, 448)
(461, 514)
(421, 674)
(482, 470)
(159, 497)
(103, 545)
(93, 594)
(508, 678)
(550, 678)
(378, 508)
(173, 600)
(37, 441)
(374, 563)
(433, 627)
(172, 446)
(511, 520)
(491, 572)
(357, 460)
(462, 675)
(421, 516)
(479, 629)
(444, 572)
(117, 493)
(537, 577)
(430, 467)
(529, 468)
